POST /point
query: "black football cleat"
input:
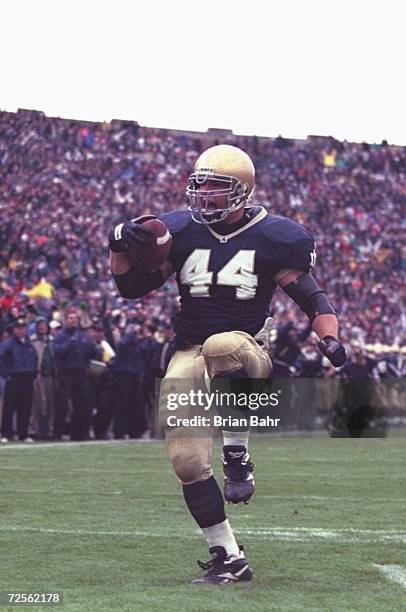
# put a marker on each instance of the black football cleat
(239, 481)
(224, 570)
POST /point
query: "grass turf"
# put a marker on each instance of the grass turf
(107, 525)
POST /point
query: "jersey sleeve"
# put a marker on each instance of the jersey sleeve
(300, 255)
(294, 244)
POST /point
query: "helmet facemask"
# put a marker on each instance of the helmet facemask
(199, 198)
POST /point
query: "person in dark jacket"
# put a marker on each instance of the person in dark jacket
(356, 413)
(100, 384)
(152, 353)
(73, 351)
(287, 349)
(19, 363)
(129, 411)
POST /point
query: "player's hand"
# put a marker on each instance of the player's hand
(333, 350)
(130, 233)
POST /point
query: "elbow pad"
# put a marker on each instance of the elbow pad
(308, 296)
(134, 284)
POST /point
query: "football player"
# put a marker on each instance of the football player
(229, 256)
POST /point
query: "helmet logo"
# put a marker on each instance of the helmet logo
(202, 174)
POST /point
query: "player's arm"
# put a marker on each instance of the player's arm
(302, 288)
(132, 283)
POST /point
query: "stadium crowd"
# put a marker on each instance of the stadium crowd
(64, 184)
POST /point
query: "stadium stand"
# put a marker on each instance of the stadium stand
(65, 183)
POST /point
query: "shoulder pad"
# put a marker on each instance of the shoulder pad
(295, 243)
(176, 220)
(283, 230)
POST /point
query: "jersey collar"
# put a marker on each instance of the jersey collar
(223, 238)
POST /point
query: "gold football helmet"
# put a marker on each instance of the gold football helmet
(233, 171)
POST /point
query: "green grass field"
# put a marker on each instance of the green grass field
(106, 524)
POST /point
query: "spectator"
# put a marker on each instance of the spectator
(64, 183)
(288, 349)
(357, 410)
(164, 350)
(129, 411)
(152, 369)
(43, 413)
(100, 384)
(73, 352)
(18, 362)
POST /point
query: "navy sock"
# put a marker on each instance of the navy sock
(205, 502)
(239, 384)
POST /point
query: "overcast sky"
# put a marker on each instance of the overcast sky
(290, 67)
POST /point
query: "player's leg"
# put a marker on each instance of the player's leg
(63, 393)
(24, 403)
(233, 361)
(191, 457)
(9, 407)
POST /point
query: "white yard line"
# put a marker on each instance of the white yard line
(294, 534)
(80, 532)
(340, 536)
(42, 445)
(8, 491)
(334, 498)
(322, 530)
(84, 470)
(395, 573)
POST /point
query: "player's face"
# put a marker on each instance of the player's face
(212, 203)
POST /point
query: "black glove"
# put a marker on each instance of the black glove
(130, 233)
(333, 350)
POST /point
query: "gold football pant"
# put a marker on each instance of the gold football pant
(191, 454)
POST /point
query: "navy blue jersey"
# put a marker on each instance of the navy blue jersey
(226, 283)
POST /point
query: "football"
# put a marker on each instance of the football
(156, 253)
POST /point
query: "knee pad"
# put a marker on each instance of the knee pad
(188, 468)
(190, 458)
(228, 352)
(222, 353)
